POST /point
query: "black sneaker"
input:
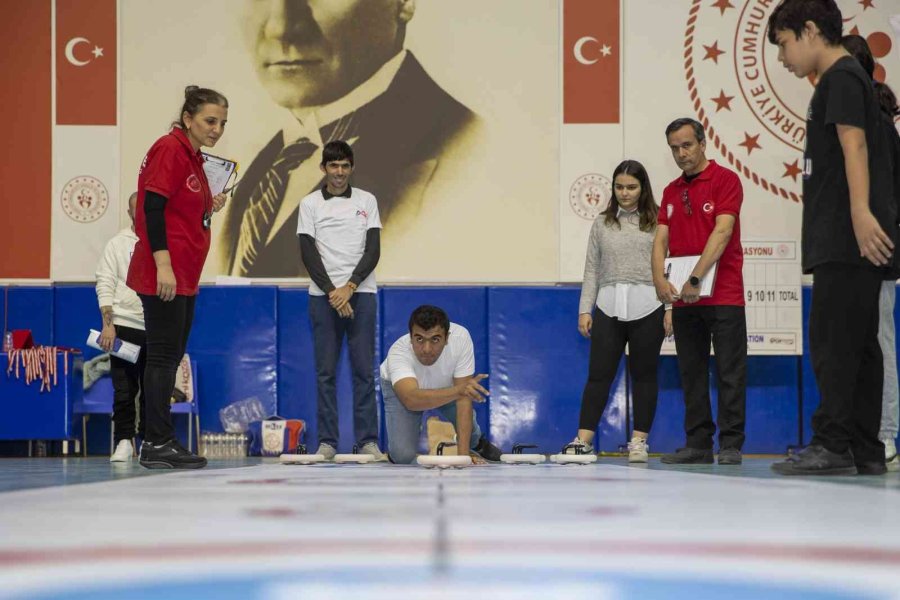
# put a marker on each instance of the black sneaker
(730, 456)
(169, 455)
(487, 450)
(689, 456)
(816, 460)
(871, 468)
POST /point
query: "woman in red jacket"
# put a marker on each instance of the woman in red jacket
(172, 221)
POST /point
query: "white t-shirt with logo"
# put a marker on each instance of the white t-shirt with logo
(339, 226)
(457, 360)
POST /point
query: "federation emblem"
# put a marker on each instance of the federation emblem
(193, 183)
(783, 251)
(85, 199)
(753, 109)
(589, 195)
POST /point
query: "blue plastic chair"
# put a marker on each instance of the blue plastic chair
(98, 400)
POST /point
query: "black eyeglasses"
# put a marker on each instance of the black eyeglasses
(686, 202)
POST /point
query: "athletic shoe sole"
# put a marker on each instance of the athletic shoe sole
(693, 461)
(783, 469)
(159, 464)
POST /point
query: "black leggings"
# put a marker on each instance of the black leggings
(608, 338)
(126, 380)
(168, 327)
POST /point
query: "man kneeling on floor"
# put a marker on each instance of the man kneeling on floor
(433, 367)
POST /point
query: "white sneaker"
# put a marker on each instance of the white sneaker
(124, 452)
(327, 450)
(890, 455)
(579, 446)
(638, 450)
(373, 449)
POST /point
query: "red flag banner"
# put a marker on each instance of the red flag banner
(86, 49)
(25, 44)
(592, 54)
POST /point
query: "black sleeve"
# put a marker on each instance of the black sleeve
(312, 260)
(845, 100)
(370, 256)
(154, 210)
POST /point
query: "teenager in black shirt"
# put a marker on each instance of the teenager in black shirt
(859, 49)
(849, 227)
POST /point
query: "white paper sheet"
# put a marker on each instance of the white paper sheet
(679, 269)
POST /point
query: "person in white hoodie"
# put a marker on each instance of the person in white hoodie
(123, 318)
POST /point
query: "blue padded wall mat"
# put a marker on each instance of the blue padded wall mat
(234, 341)
(539, 366)
(32, 308)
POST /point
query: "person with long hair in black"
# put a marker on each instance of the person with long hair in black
(890, 395)
(619, 306)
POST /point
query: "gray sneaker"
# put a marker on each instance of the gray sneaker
(730, 456)
(326, 450)
(689, 456)
(373, 449)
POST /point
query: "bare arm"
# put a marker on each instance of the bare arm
(665, 291)
(415, 398)
(874, 244)
(107, 313)
(715, 245)
(856, 164)
(463, 420)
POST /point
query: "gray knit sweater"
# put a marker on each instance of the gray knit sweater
(615, 255)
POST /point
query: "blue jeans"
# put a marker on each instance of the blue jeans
(404, 426)
(329, 330)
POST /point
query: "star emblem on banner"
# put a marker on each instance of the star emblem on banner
(722, 5)
(97, 52)
(792, 169)
(751, 143)
(867, 4)
(712, 52)
(723, 101)
(606, 50)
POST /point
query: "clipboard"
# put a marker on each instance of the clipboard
(219, 172)
(679, 269)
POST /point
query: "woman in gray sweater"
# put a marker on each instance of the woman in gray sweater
(619, 305)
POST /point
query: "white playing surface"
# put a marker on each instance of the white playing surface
(498, 531)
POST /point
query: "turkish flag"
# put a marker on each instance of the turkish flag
(592, 54)
(86, 48)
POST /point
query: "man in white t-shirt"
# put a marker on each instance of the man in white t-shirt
(340, 243)
(433, 367)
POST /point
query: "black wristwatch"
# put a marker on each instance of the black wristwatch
(694, 281)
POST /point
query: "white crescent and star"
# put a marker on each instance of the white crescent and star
(605, 50)
(70, 51)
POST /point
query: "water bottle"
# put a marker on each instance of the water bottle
(214, 443)
(7, 341)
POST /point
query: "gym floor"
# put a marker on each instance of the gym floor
(253, 528)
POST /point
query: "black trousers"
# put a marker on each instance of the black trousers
(726, 327)
(168, 327)
(126, 380)
(847, 360)
(608, 339)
